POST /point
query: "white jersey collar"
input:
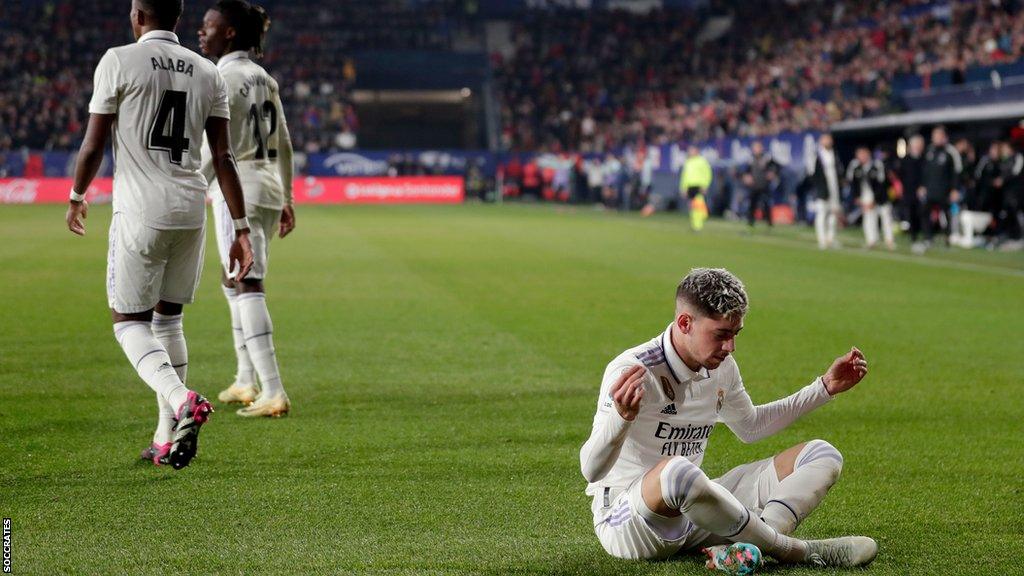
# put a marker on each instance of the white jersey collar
(679, 369)
(231, 57)
(164, 35)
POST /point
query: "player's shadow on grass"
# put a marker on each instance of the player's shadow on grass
(682, 564)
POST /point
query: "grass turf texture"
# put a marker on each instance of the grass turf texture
(444, 363)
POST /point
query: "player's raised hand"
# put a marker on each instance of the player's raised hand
(627, 392)
(76, 215)
(287, 221)
(846, 372)
(240, 255)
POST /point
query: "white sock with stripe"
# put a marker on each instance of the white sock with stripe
(259, 341)
(816, 469)
(245, 375)
(168, 330)
(150, 360)
(164, 423)
(710, 506)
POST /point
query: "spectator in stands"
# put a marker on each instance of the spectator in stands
(939, 179)
(760, 178)
(866, 177)
(825, 169)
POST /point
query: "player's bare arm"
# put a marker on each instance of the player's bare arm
(227, 175)
(287, 173)
(846, 372)
(90, 157)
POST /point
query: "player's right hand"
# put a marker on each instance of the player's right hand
(287, 221)
(627, 392)
(240, 255)
(76, 215)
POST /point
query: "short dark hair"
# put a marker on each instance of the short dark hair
(165, 12)
(250, 22)
(714, 292)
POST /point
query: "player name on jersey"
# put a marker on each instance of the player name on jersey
(172, 65)
(250, 82)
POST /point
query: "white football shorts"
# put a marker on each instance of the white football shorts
(146, 265)
(628, 529)
(263, 224)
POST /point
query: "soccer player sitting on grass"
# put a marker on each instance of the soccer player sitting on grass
(157, 99)
(659, 403)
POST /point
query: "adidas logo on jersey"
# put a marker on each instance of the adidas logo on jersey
(670, 409)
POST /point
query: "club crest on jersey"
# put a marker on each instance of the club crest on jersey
(667, 387)
(721, 399)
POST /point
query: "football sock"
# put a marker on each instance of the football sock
(169, 332)
(164, 423)
(816, 469)
(259, 341)
(245, 374)
(150, 360)
(710, 506)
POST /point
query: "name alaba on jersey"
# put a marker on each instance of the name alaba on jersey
(679, 410)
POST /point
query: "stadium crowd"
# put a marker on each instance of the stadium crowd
(595, 81)
(45, 86)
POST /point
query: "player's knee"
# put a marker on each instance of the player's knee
(822, 454)
(682, 481)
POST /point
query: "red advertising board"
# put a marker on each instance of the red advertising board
(371, 190)
(307, 190)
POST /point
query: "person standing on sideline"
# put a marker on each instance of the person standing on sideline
(659, 403)
(824, 169)
(939, 179)
(157, 99)
(866, 177)
(761, 176)
(231, 32)
(694, 182)
(911, 171)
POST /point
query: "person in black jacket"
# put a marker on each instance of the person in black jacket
(911, 168)
(866, 176)
(1012, 174)
(760, 177)
(942, 167)
(825, 170)
(988, 192)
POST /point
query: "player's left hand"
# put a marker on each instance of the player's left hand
(76, 215)
(240, 254)
(845, 372)
(287, 221)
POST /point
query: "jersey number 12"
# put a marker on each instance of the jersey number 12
(262, 142)
(172, 110)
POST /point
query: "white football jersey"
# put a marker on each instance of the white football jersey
(257, 122)
(678, 412)
(162, 94)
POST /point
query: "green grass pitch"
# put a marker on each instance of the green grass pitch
(444, 363)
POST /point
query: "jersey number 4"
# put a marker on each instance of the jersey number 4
(255, 115)
(168, 130)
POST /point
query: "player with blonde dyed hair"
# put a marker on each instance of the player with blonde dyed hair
(658, 405)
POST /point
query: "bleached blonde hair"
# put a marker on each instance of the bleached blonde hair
(713, 292)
